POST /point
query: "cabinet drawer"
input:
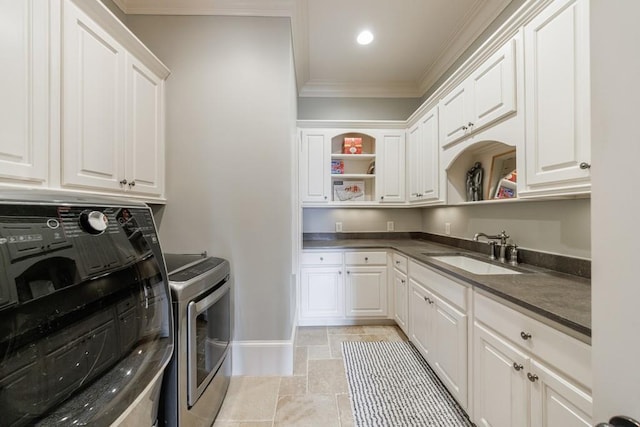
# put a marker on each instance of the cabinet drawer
(558, 349)
(452, 292)
(400, 262)
(321, 258)
(365, 258)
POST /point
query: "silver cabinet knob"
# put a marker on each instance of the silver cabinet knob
(348, 272)
(532, 377)
(585, 165)
(339, 272)
(525, 335)
(366, 259)
(321, 259)
(132, 184)
(325, 197)
(517, 367)
(123, 182)
(397, 262)
(381, 197)
(464, 127)
(470, 124)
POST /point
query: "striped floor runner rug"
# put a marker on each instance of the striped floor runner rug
(392, 385)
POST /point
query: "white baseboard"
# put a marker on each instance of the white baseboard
(264, 358)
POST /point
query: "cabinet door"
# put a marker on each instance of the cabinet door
(421, 319)
(557, 401)
(430, 148)
(321, 293)
(422, 158)
(450, 336)
(454, 114)
(400, 299)
(390, 168)
(366, 291)
(494, 87)
(557, 95)
(314, 167)
(414, 163)
(93, 107)
(500, 381)
(24, 110)
(144, 129)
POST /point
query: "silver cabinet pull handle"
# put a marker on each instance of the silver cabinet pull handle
(532, 377)
(525, 335)
(517, 367)
(585, 165)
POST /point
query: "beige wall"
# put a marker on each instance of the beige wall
(555, 226)
(360, 220)
(230, 122)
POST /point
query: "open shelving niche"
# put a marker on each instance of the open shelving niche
(356, 166)
(490, 154)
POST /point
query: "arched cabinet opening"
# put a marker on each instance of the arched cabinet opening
(483, 172)
(353, 162)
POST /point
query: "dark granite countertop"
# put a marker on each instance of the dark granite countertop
(560, 300)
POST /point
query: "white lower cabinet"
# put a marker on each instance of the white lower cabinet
(438, 326)
(400, 312)
(536, 377)
(366, 291)
(321, 292)
(500, 381)
(338, 287)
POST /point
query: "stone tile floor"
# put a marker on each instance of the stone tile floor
(316, 395)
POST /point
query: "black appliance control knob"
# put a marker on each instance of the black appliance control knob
(93, 222)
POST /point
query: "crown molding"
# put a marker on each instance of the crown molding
(354, 90)
(275, 8)
(476, 21)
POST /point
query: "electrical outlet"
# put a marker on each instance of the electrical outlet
(390, 226)
(447, 228)
(338, 227)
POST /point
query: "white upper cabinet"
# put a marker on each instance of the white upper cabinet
(351, 166)
(390, 166)
(112, 106)
(558, 153)
(144, 129)
(487, 95)
(93, 104)
(24, 109)
(314, 167)
(422, 159)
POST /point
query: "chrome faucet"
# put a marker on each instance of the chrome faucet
(492, 241)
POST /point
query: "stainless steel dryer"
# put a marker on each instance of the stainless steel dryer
(198, 375)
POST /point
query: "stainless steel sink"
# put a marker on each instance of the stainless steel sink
(473, 265)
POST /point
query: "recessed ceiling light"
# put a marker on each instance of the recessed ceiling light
(365, 37)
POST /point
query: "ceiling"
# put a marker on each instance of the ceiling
(416, 41)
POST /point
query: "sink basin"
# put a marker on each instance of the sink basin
(473, 265)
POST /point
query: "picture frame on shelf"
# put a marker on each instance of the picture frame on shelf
(503, 168)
